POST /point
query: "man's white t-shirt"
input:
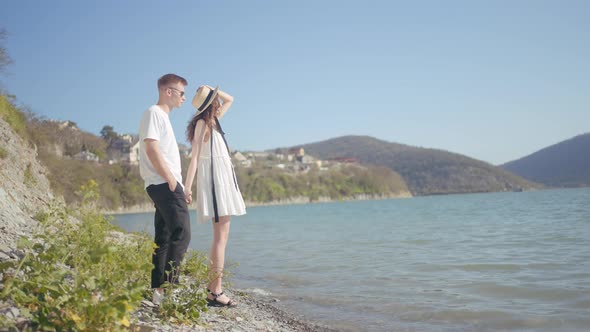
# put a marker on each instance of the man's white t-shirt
(155, 124)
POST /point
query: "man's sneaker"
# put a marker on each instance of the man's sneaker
(158, 297)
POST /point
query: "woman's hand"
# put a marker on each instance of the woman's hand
(188, 196)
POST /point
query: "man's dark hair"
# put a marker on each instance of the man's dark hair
(171, 79)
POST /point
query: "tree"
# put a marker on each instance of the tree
(5, 59)
(108, 133)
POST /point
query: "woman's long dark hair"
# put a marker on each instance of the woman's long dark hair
(207, 116)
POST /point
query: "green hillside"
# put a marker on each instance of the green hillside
(425, 171)
(264, 184)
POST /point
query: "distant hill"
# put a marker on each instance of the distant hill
(425, 171)
(565, 164)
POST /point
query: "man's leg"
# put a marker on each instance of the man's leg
(175, 217)
(160, 257)
(158, 194)
(180, 231)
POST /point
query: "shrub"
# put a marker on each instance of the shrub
(29, 178)
(75, 275)
(80, 273)
(188, 298)
(13, 116)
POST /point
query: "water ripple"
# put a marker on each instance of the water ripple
(483, 262)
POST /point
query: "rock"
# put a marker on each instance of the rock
(4, 248)
(147, 303)
(4, 257)
(13, 313)
(24, 189)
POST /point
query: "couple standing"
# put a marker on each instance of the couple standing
(217, 196)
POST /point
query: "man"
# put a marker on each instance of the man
(160, 168)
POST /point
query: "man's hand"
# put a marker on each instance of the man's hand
(172, 185)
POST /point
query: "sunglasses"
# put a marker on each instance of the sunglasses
(181, 93)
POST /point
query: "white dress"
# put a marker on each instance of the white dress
(228, 195)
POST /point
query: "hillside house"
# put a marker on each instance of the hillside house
(306, 159)
(298, 152)
(242, 160)
(134, 154)
(258, 155)
(86, 155)
(124, 149)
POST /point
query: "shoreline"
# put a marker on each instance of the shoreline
(254, 313)
(148, 207)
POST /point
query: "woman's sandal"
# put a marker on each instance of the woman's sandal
(215, 303)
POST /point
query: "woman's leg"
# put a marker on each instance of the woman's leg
(217, 256)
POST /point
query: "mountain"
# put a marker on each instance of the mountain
(425, 171)
(565, 164)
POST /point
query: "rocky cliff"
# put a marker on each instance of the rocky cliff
(24, 188)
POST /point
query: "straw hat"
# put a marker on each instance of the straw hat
(203, 98)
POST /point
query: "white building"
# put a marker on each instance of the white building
(86, 155)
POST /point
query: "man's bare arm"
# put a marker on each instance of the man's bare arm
(152, 149)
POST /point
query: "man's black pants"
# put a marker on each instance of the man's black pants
(172, 232)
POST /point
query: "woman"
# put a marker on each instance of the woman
(218, 194)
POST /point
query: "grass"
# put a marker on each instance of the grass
(13, 116)
(29, 178)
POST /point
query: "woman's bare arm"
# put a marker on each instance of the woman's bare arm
(197, 143)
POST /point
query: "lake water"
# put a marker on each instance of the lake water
(480, 262)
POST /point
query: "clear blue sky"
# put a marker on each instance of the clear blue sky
(493, 80)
